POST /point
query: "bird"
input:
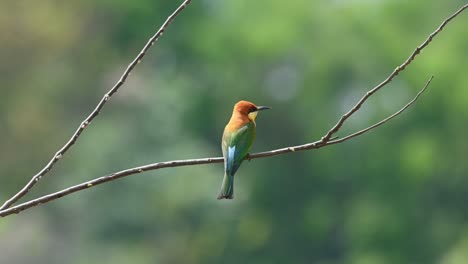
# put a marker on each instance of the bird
(238, 136)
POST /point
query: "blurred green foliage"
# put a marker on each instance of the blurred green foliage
(395, 195)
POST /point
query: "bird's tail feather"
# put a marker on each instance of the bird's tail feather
(227, 188)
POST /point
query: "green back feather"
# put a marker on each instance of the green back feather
(242, 140)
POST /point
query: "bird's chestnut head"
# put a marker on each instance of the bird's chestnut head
(249, 109)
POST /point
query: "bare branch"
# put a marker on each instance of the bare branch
(36, 178)
(395, 72)
(384, 120)
(180, 163)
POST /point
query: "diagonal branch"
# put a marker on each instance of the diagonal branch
(36, 178)
(395, 72)
(180, 163)
(360, 132)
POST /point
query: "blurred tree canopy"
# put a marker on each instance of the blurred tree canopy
(396, 195)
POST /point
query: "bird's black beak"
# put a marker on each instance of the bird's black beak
(259, 108)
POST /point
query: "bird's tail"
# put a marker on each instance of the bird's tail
(227, 188)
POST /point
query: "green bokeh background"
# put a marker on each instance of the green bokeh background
(396, 195)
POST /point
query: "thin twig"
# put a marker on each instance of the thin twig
(395, 72)
(36, 178)
(384, 120)
(180, 163)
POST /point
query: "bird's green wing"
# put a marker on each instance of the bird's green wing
(236, 146)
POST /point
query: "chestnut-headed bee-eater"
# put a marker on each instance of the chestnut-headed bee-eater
(238, 137)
